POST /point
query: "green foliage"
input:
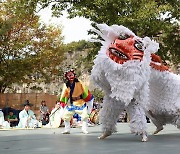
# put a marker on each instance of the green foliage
(98, 94)
(28, 50)
(36, 88)
(79, 56)
(77, 46)
(158, 19)
(84, 54)
(91, 53)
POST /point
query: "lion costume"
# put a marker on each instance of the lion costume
(122, 69)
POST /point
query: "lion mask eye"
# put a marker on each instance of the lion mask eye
(123, 37)
(138, 45)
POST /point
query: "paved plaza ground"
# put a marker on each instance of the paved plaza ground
(51, 141)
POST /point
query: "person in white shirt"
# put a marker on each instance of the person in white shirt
(55, 117)
(3, 123)
(27, 117)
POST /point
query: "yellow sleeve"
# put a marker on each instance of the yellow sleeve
(65, 94)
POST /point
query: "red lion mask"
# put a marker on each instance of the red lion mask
(122, 50)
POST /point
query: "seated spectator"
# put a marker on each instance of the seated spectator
(123, 117)
(44, 113)
(27, 117)
(3, 123)
(12, 119)
(56, 116)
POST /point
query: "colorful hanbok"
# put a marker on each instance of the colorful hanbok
(78, 99)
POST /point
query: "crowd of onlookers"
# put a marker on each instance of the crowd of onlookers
(26, 118)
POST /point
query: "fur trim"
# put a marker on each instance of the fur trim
(151, 89)
(122, 83)
(164, 92)
(137, 119)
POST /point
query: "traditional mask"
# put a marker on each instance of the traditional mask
(70, 75)
(122, 50)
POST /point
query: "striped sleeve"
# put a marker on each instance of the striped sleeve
(64, 95)
(86, 94)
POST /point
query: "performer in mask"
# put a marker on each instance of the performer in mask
(78, 99)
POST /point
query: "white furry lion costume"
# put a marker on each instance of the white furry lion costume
(164, 96)
(122, 70)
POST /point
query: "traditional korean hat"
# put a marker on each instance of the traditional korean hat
(26, 103)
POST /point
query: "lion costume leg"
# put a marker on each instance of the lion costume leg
(138, 123)
(109, 116)
(156, 122)
(178, 122)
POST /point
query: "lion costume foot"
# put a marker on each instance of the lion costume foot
(104, 135)
(85, 131)
(144, 137)
(158, 130)
(66, 132)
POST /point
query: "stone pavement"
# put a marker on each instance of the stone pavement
(51, 141)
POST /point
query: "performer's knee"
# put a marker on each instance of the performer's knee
(84, 117)
(67, 117)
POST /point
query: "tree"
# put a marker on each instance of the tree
(28, 50)
(158, 19)
(79, 57)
